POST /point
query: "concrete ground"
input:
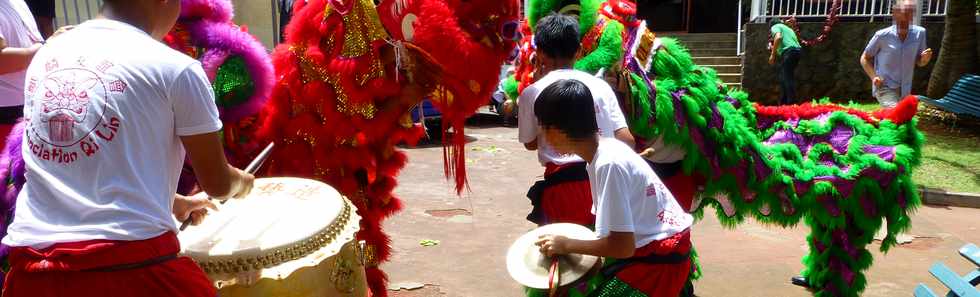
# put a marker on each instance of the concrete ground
(474, 231)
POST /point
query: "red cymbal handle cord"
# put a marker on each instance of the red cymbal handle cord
(554, 278)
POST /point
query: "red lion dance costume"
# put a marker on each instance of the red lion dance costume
(348, 74)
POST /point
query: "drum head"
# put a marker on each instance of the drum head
(529, 267)
(282, 220)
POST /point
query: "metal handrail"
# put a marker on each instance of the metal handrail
(74, 12)
(766, 9)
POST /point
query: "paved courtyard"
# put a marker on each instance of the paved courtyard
(474, 231)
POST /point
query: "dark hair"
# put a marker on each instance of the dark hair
(775, 21)
(567, 105)
(557, 36)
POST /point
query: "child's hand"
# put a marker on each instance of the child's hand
(193, 207)
(551, 245)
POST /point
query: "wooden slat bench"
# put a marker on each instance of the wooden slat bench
(963, 98)
(960, 286)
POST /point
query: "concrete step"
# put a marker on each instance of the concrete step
(733, 85)
(703, 37)
(730, 77)
(710, 44)
(725, 68)
(711, 52)
(720, 60)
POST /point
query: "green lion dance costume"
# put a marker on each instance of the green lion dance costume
(841, 171)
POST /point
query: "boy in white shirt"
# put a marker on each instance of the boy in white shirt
(564, 196)
(641, 226)
(109, 114)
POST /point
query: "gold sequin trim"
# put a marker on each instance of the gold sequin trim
(361, 26)
(309, 70)
(376, 71)
(371, 256)
(283, 254)
(443, 95)
(344, 105)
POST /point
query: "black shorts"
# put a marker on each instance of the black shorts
(10, 114)
(41, 8)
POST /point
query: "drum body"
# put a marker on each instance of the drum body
(291, 237)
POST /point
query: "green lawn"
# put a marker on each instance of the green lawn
(950, 159)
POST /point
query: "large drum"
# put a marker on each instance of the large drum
(289, 237)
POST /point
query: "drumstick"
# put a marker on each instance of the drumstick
(257, 162)
(250, 169)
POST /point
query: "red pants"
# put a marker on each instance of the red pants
(660, 279)
(683, 187)
(568, 202)
(65, 270)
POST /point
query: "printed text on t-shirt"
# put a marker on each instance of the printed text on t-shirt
(70, 116)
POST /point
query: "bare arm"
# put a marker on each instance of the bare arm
(624, 135)
(13, 59)
(776, 40)
(868, 66)
(618, 245)
(214, 175)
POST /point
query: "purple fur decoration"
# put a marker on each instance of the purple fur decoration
(213, 31)
(11, 170)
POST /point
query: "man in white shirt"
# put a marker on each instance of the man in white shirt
(639, 223)
(19, 40)
(564, 195)
(109, 112)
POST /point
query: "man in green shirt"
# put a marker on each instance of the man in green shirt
(786, 45)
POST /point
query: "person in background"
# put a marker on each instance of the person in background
(890, 58)
(501, 104)
(785, 46)
(19, 41)
(285, 15)
(43, 11)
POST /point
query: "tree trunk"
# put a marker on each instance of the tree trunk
(958, 54)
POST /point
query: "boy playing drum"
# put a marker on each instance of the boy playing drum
(640, 224)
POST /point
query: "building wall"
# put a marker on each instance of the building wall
(258, 16)
(831, 69)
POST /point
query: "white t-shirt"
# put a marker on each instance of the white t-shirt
(609, 116)
(18, 29)
(105, 106)
(628, 197)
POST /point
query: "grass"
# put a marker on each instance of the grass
(950, 158)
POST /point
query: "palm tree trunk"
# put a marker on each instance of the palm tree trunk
(958, 54)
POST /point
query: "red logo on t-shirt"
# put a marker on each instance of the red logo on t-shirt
(69, 114)
(669, 217)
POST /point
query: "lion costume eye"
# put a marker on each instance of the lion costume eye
(509, 31)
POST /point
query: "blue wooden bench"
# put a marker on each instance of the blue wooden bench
(959, 286)
(963, 98)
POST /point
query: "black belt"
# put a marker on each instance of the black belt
(673, 258)
(569, 173)
(666, 170)
(131, 266)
